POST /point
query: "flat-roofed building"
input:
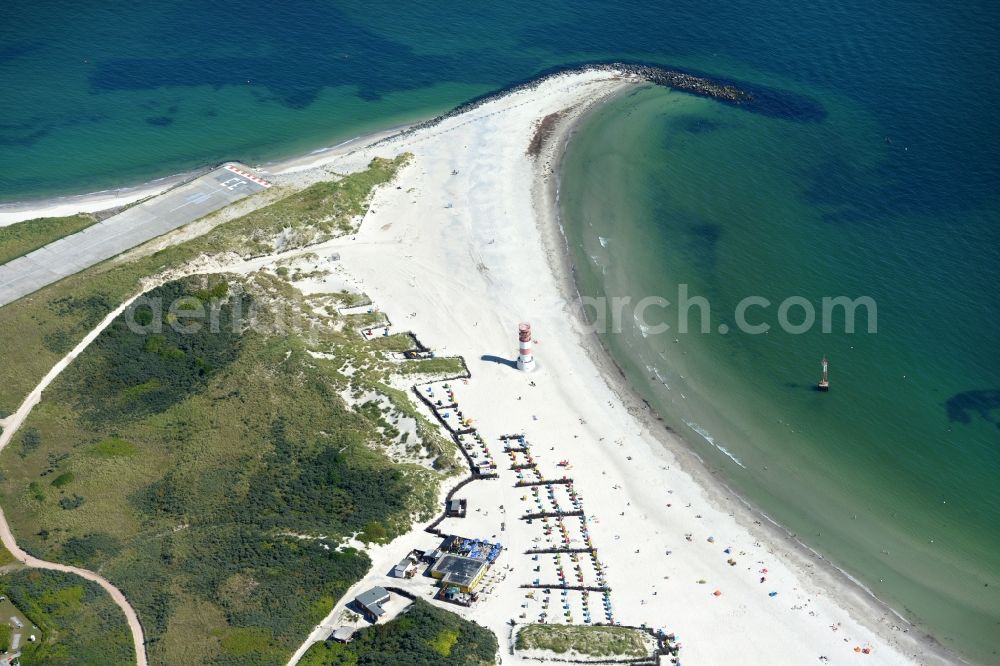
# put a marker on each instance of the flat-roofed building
(455, 508)
(342, 634)
(459, 571)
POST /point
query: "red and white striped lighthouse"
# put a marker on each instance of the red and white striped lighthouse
(525, 361)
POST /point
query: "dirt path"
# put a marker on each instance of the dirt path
(10, 426)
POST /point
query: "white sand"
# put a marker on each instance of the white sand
(473, 254)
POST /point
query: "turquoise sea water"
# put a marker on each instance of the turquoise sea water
(893, 474)
(686, 190)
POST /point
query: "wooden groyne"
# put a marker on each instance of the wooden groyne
(553, 551)
(552, 514)
(579, 588)
(548, 482)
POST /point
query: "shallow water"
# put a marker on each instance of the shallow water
(892, 474)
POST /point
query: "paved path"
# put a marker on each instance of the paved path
(127, 229)
(10, 426)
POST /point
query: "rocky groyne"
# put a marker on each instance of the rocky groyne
(671, 78)
(689, 83)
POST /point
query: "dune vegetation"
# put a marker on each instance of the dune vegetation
(49, 322)
(220, 469)
(587, 641)
(422, 636)
(77, 622)
(213, 475)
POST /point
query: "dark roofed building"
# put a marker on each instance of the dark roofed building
(456, 508)
(370, 603)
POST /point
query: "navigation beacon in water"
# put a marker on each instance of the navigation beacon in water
(824, 384)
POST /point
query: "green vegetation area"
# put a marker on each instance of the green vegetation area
(48, 323)
(19, 239)
(77, 621)
(421, 636)
(212, 473)
(6, 557)
(591, 641)
(187, 466)
(442, 366)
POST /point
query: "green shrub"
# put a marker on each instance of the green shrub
(422, 635)
(63, 479)
(78, 623)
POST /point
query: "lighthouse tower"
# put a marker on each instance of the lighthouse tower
(824, 384)
(525, 361)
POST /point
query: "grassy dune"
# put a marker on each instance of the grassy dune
(48, 323)
(189, 467)
(423, 636)
(213, 474)
(591, 641)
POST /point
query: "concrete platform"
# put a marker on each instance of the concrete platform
(130, 228)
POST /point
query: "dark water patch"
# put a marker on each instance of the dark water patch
(702, 243)
(12, 51)
(28, 133)
(695, 124)
(785, 104)
(160, 121)
(25, 139)
(301, 98)
(848, 193)
(309, 49)
(962, 406)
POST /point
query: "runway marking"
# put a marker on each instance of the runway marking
(198, 199)
(233, 183)
(248, 176)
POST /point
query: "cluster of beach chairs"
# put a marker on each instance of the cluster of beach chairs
(445, 407)
(565, 547)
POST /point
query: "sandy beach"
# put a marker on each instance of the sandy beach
(465, 247)
(462, 247)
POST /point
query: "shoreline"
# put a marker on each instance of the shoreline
(695, 83)
(471, 272)
(92, 202)
(113, 199)
(846, 592)
(849, 591)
